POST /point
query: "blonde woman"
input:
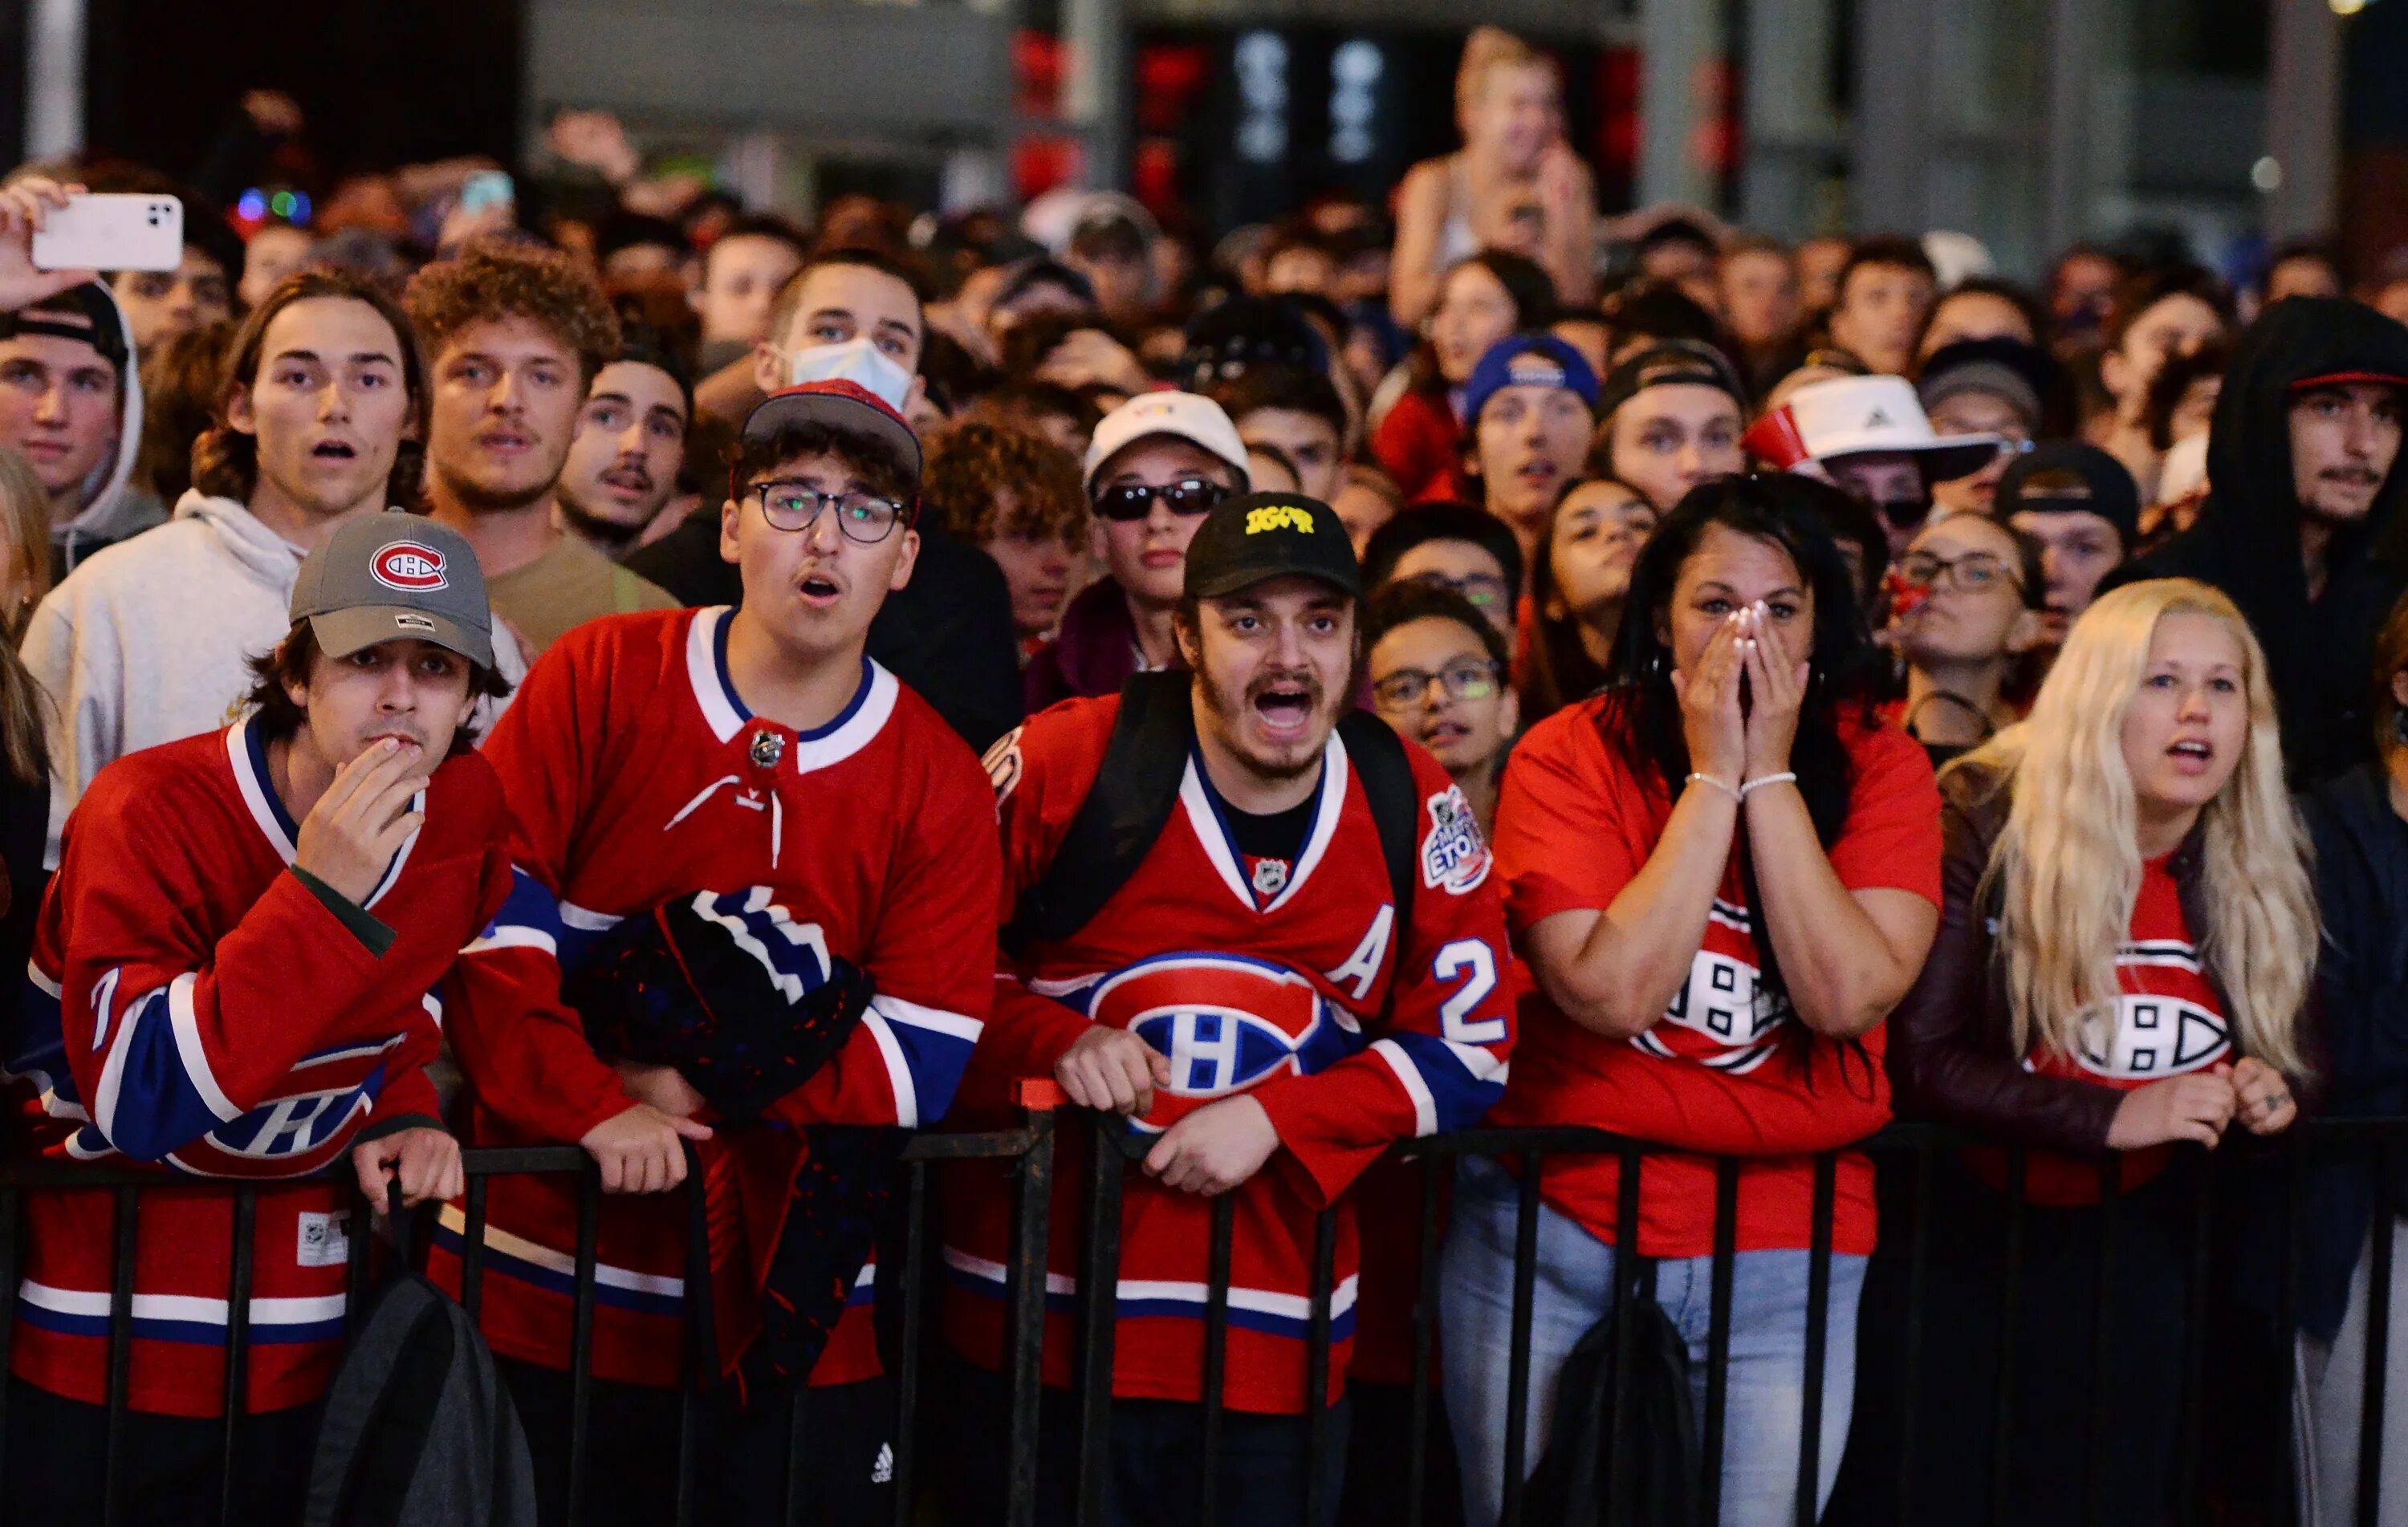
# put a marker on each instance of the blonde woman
(2123, 959)
(25, 559)
(1515, 184)
(24, 766)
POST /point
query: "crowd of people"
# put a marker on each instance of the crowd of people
(509, 663)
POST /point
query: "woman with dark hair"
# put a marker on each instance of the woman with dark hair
(1481, 300)
(1577, 583)
(1723, 873)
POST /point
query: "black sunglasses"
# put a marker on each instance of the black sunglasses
(1134, 500)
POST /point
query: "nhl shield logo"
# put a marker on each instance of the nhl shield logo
(768, 748)
(1227, 1023)
(1270, 877)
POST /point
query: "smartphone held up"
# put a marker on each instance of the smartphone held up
(111, 232)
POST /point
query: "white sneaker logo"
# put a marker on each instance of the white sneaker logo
(882, 1472)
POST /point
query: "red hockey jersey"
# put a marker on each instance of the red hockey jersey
(638, 775)
(193, 1004)
(1252, 976)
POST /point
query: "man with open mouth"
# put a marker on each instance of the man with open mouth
(1289, 957)
(629, 446)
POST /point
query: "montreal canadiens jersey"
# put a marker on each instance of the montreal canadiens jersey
(1288, 982)
(638, 775)
(194, 1006)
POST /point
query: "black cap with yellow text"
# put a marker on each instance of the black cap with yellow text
(1255, 537)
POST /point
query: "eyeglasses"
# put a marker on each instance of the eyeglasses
(1466, 680)
(796, 507)
(1134, 500)
(1482, 591)
(1978, 571)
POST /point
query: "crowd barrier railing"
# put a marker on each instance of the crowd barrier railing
(1028, 1147)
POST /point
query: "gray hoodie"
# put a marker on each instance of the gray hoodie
(151, 640)
(121, 508)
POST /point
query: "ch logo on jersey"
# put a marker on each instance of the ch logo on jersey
(300, 1132)
(1723, 1002)
(1454, 858)
(2153, 1036)
(1226, 1024)
(410, 567)
(796, 954)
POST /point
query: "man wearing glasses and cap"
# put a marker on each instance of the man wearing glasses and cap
(1281, 953)
(762, 872)
(241, 972)
(1157, 463)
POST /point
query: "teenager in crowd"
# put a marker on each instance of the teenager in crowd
(1297, 412)
(1514, 167)
(1886, 289)
(629, 449)
(1759, 289)
(2155, 314)
(2079, 504)
(1577, 583)
(2125, 954)
(1722, 874)
(1528, 412)
(1265, 892)
(513, 339)
(1982, 387)
(151, 642)
(1439, 672)
(739, 277)
(1481, 299)
(236, 976)
(1979, 307)
(1016, 496)
(2303, 490)
(1669, 418)
(1455, 546)
(2358, 824)
(1366, 500)
(1965, 605)
(1157, 466)
(856, 314)
(737, 808)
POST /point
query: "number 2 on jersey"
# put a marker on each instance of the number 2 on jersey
(1470, 958)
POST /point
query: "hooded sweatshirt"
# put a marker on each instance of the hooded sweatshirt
(150, 641)
(119, 510)
(2319, 652)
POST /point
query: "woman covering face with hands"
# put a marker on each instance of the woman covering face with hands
(2121, 971)
(1722, 872)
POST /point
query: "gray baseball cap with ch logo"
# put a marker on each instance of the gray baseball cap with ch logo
(393, 577)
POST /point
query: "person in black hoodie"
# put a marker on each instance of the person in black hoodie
(2302, 525)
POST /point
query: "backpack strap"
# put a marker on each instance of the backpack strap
(1124, 811)
(1380, 763)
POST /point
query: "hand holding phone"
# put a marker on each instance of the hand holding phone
(111, 232)
(24, 207)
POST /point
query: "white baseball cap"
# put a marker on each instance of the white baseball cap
(1826, 422)
(1182, 416)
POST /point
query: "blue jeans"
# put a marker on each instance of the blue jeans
(1764, 1405)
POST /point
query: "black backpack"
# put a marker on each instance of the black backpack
(1130, 802)
(1575, 1484)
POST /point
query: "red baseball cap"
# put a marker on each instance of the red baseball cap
(837, 404)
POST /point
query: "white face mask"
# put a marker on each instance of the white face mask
(856, 361)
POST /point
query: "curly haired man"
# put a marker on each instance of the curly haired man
(1015, 496)
(513, 337)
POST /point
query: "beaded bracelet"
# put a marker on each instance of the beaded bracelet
(1784, 778)
(1734, 791)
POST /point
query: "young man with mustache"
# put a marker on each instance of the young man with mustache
(513, 339)
(1301, 964)
(241, 972)
(629, 446)
(150, 641)
(2303, 488)
(738, 808)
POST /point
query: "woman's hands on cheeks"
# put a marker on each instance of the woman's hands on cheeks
(1710, 718)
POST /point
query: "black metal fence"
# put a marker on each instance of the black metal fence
(1908, 1157)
